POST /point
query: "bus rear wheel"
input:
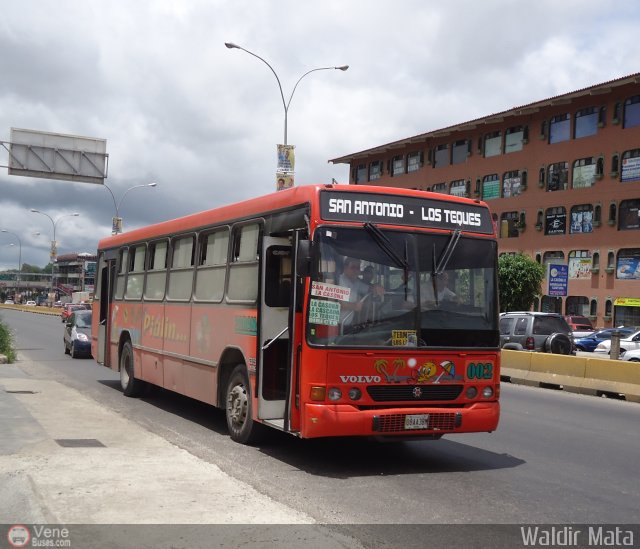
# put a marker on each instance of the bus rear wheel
(131, 386)
(238, 407)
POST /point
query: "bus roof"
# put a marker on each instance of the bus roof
(277, 201)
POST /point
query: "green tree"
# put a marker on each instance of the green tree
(519, 280)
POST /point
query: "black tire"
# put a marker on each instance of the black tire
(131, 386)
(634, 360)
(238, 407)
(559, 344)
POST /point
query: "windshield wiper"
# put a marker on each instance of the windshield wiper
(440, 266)
(387, 246)
(446, 254)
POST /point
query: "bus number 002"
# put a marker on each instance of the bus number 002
(480, 370)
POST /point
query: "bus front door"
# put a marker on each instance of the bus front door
(107, 268)
(274, 364)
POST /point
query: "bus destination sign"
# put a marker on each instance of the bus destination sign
(404, 210)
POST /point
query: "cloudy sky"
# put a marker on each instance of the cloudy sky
(176, 107)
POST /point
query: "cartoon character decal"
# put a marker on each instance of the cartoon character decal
(429, 372)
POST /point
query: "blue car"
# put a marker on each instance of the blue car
(77, 334)
(590, 342)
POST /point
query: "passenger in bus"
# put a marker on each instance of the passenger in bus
(443, 292)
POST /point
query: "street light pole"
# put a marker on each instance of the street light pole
(285, 104)
(19, 252)
(54, 252)
(116, 226)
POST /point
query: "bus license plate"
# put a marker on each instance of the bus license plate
(417, 421)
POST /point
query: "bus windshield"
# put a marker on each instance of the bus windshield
(374, 287)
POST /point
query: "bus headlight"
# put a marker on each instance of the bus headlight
(355, 393)
(334, 393)
(487, 392)
(472, 392)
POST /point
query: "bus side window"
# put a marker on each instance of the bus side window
(278, 276)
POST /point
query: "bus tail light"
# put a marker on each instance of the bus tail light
(487, 392)
(530, 344)
(472, 392)
(318, 393)
(355, 393)
(334, 393)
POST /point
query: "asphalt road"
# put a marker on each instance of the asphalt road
(556, 457)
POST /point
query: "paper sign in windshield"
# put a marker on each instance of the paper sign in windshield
(324, 312)
(331, 291)
(404, 338)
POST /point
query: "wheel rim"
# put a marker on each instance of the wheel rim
(237, 406)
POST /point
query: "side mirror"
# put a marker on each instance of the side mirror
(303, 258)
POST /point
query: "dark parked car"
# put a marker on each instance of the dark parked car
(532, 331)
(77, 334)
(590, 342)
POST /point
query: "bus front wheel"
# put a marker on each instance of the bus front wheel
(241, 426)
(131, 386)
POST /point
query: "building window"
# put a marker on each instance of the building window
(586, 122)
(553, 257)
(511, 184)
(460, 188)
(595, 263)
(597, 215)
(375, 170)
(608, 308)
(611, 260)
(613, 212)
(440, 188)
(584, 173)
(492, 144)
(631, 166)
(577, 305)
(593, 307)
(629, 218)
(579, 264)
(441, 156)
(581, 219)
(509, 224)
(397, 165)
(558, 176)
(414, 161)
(490, 187)
(632, 112)
(514, 139)
(560, 128)
(361, 173)
(555, 221)
(551, 304)
(460, 151)
(628, 266)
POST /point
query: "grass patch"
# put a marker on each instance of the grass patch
(6, 343)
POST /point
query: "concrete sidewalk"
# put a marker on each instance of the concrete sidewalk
(128, 476)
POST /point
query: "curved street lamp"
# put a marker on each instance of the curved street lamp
(19, 252)
(54, 245)
(116, 227)
(285, 104)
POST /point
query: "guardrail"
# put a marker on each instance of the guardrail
(41, 310)
(577, 374)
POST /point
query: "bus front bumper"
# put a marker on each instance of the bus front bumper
(330, 420)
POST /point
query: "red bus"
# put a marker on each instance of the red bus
(320, 311)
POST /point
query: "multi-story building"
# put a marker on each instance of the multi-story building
(75, 272)
(562, 177)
